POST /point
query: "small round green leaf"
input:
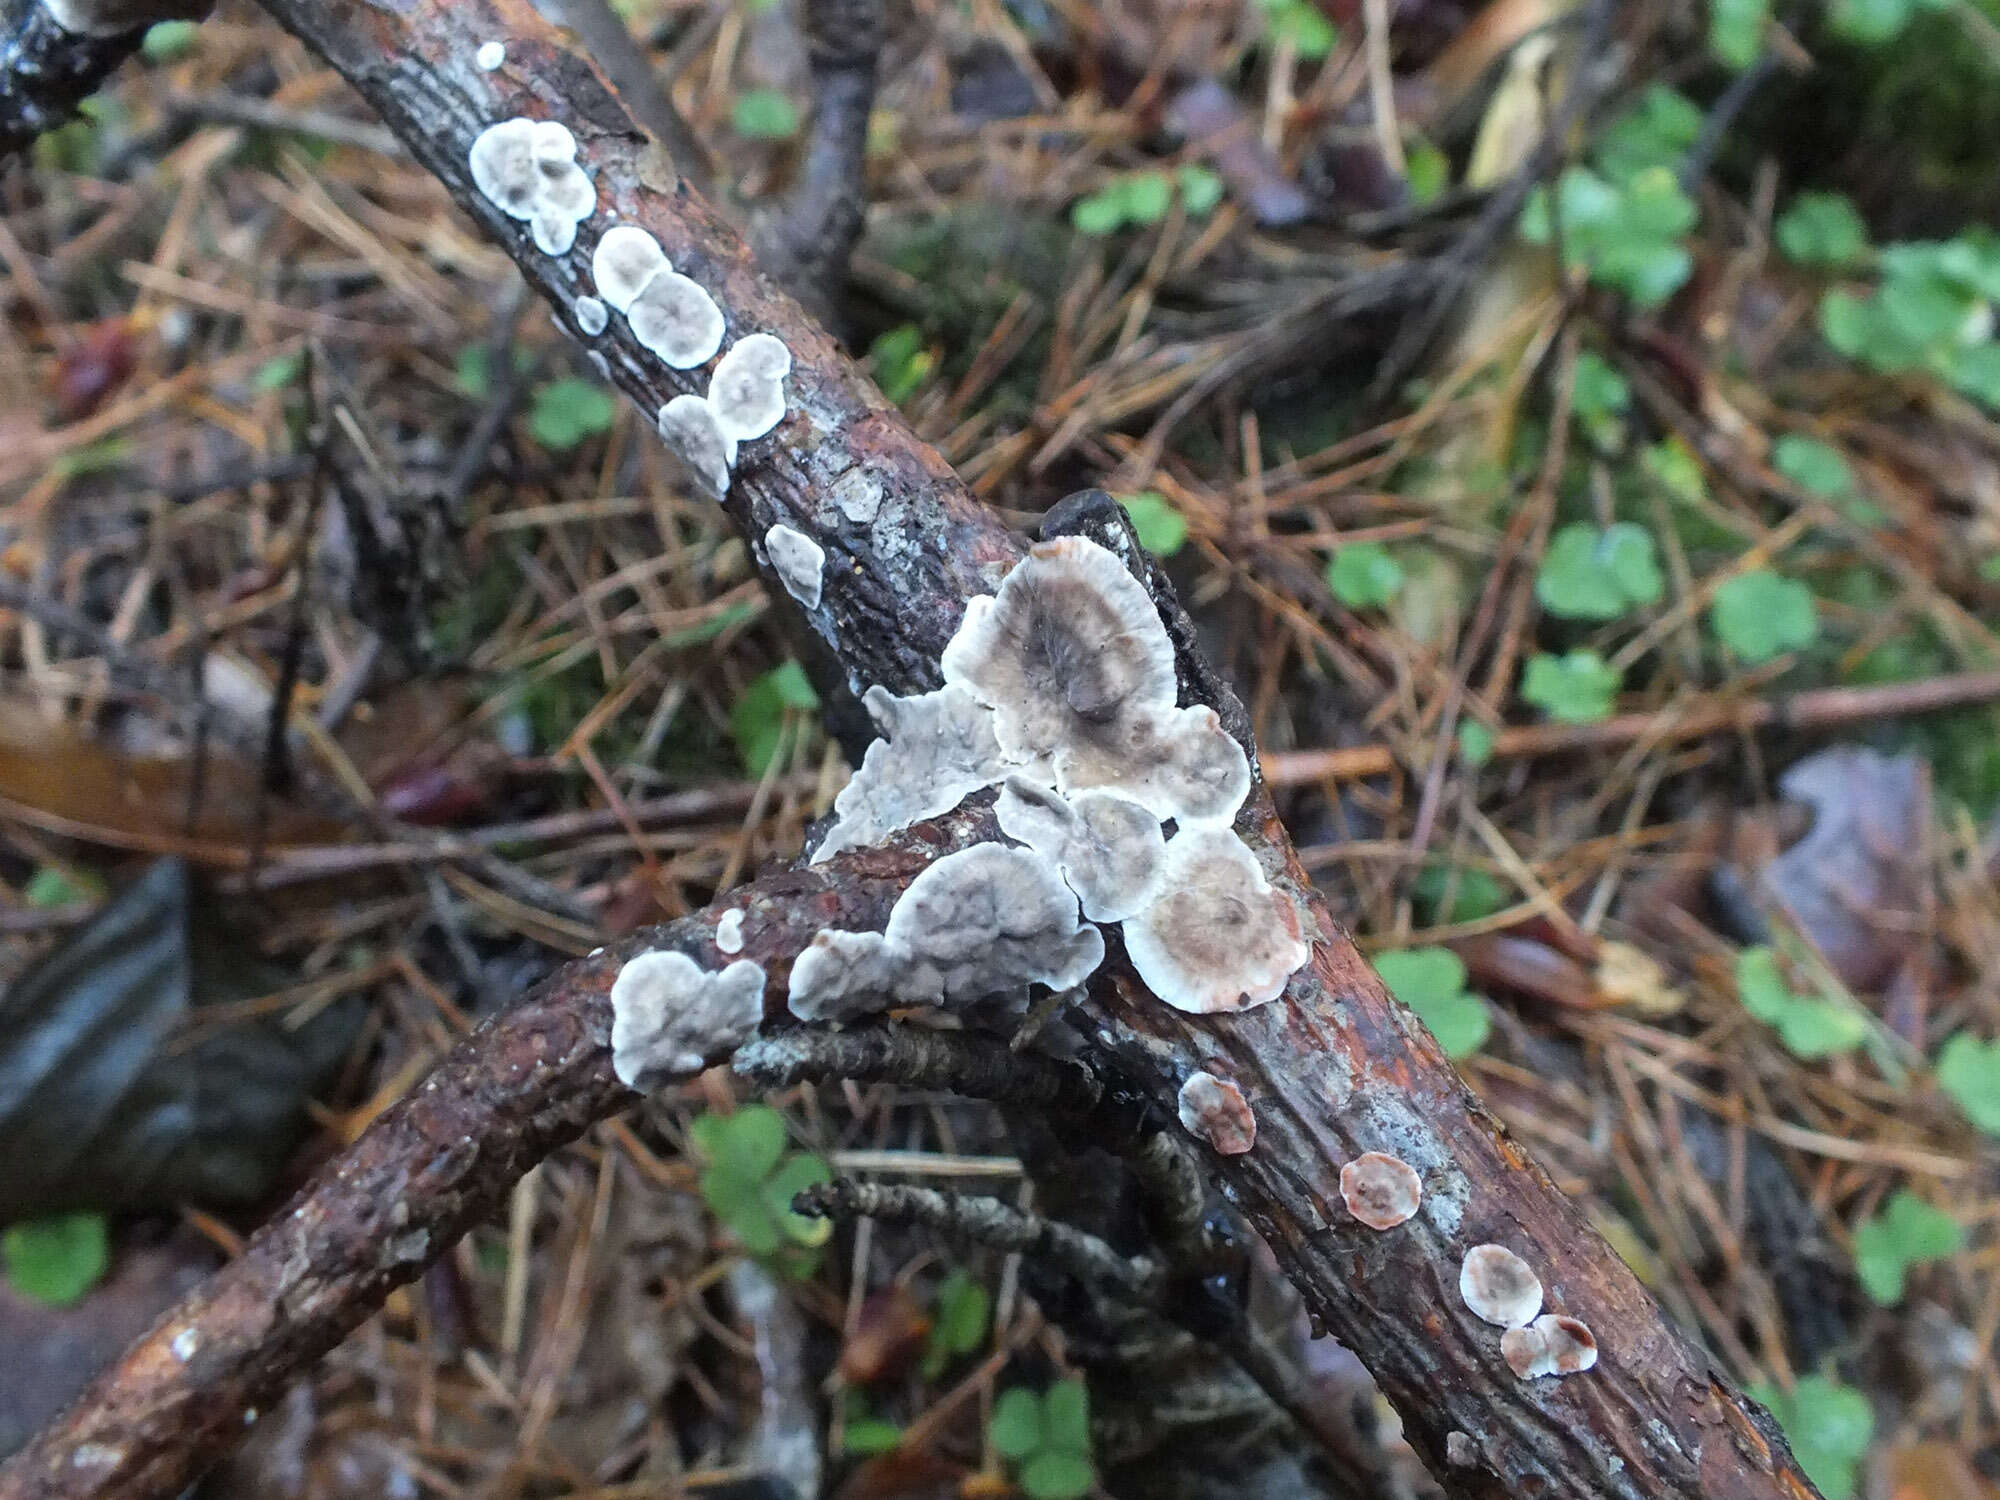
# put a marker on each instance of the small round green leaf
(1056, 1475)
(1017, 1423)
(55, 1261)
(1760, 615)
(1364, 576)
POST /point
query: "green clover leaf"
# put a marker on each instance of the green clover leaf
(749, 1182)
(1364, 575)
(1016, 1429)
(1810, 1026)
(1588, 574)
(765, 115)
(1301, 23)
(1736, 30)
(1907, 1232)
(1830, 1426)
(1161, 529)
(1575, 688)
(757, 719)
(1812, 465)
(1201, 188)
(1969, 1071)
(958, 1326)
(1431, 982)
(1822, 229)
(1656, 132)
(565, 412)
(55, 1261)
(1760, 615)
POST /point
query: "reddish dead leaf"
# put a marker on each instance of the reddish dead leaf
(904, 1475)
(887, 1337)
(93, 367)
(1935, 1471)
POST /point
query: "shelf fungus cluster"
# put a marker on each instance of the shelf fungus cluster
(1116, 803)
(528, 169)
(1503, 1289)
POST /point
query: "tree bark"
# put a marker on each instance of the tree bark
(1333, 1069)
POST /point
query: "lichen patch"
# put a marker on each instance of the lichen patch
(668, 1015)
(1214, 1110)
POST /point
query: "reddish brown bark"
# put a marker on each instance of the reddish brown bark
(1333, 1069)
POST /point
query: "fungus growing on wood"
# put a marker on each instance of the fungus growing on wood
(1220, 936)
(1214, 1110)
(799, 561)
(1109, 849)
(748, 386)
(678, 321)
(1071, 656)
(626, 258)
(1499, 1286)
(729, 931)
(1380, 1190)
(1551, 1345)
(936, 749)
(591, 316)
(490, 55)
(984, 921)
(668, 1013)
(688, 425)
(527, 168)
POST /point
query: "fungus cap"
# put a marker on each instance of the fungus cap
(1499, 1286)
(1178, 763)
(688, 425)
(626, 258)
(1551, 1345)
(490, 55)
(591, 316)
(1380, 1190)
(747, 388)
(1214, 1110)
(668, 1013)
(1110, 849)
(527, 168)
(678, 321)
(1220, 936)
(729, 931)
(799, 561)
(936, 749)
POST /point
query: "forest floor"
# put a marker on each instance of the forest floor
(1624, 654)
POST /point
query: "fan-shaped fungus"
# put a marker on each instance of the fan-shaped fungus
(1499, 1286)
(1380, 1190)
(688, 425)
(667, 1013)
(626, 258)
(676, 320)
(937, 749)
(1109, 849)
(799, 561)
(1214, 1110)
(1551, 1345)
(747, 388)
(1220, 936)
(527, 168)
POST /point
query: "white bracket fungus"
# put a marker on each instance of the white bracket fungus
(1071, 656)
(800, 563)
(1380, 1190)
(1214, 1110)
(688, 425)
(983, 921)
(678, 321)
(591, 316)
(729, 931)
(668, 1014)
(490, 55)
(1110, 850)
(626, 258)
(1499, 1286)
(937, 749)
(527, 168)
(747, 389)
(1551, 1345)
(1220, 937)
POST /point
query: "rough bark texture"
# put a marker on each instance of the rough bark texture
(1333, 1069)
(46, 71)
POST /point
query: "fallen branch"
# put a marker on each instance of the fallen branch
(1335, 1068)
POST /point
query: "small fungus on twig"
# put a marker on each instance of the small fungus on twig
(984, 921)
(1551, 1345)
(591, 316)
(729, 931)
(1110, 850)
(799, 561)
(1214, 1110)
(490, 56)
(1380, 1190)
(676, 320)
(626, 258)
(1221, 936)
(527, 168)
(747, 388)
(668, 1014)
(1499, 1286)
(688, 425)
